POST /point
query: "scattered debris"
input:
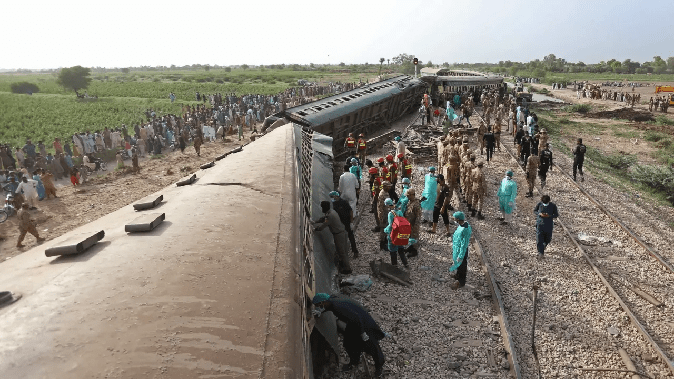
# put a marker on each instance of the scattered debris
(361, 283)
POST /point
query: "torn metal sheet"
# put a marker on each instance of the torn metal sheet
(187, 181)
(207, 165)
(75, 245)
(148, 205)
(145, 223)
(236, 150)
(7, 298)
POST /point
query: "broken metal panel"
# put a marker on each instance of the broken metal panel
(7, 298)
(148, 205)
(207, 165)
(145, 223)
(235, 150)
(75, 245)
(187, 181)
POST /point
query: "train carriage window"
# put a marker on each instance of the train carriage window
(346, 99)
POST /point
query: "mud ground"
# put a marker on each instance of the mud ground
(105, 193)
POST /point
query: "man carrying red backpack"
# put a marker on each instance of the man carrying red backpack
(397, 233)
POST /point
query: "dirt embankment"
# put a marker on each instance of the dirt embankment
(103, 194)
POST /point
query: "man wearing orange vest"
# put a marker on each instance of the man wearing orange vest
(393, 170)
(405, 166)
(362, 146)
(350, 145)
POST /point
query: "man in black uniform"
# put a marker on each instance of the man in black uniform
(578, 158)
(525, 150)
(362, 334)
(518, 140)
(546, 164)
(489, 142)
(345, 213)
(534, 144)
(442, 204)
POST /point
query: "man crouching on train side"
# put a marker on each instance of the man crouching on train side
(361, 333)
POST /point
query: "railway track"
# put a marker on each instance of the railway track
(632, 272)
(594, 299)
(441, 321)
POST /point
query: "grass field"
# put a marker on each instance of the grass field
(122, 98)
(552, 77)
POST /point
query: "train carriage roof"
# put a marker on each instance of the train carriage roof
(208, 293)
(333, 107)
(463, 80)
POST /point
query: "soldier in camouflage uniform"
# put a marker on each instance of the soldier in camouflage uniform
(467, 187)
(497, 133)
(481, 130)
(532, 168)
(542, 140)
(479, 190)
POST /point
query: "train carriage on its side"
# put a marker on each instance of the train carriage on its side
(445, 83)
(362, 110)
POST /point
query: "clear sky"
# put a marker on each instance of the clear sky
(121, 33)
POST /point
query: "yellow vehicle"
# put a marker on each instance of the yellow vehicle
(659, 89)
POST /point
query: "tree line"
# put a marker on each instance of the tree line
(551, 64)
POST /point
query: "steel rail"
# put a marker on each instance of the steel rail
(500, 308)
(624, 227)
(640, 327)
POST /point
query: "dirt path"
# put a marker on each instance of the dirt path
(106, 193)
(569, 95)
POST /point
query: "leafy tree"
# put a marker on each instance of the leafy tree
(244, 66)
(207, 67)
(381, 62)
(429, 64)
(228, 69)
(659, 65)
(74, 78)
(670, 64)
(342, 64)
(24, 87)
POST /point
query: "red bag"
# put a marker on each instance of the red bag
(400, 232)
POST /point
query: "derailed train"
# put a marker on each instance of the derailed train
(363, 110)
(200, 295)
(222, 288)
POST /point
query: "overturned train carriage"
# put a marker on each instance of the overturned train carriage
(362, 110)
(445, 83)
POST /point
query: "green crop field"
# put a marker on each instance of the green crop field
(122, 98)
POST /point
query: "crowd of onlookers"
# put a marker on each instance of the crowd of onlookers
(217, 116)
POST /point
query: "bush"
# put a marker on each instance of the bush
(25, 87)
(618, 161)
(654, 136)
(664, 120)
(579, 108)
(657, 177)
(664, 143)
